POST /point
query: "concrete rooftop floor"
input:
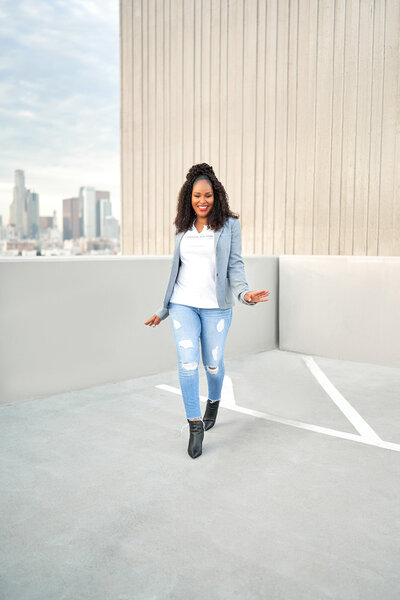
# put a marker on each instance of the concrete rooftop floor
(100, 500)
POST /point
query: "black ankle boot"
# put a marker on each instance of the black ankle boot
(195, 438)
(210, 414)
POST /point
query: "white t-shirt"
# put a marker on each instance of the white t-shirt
(195, 284)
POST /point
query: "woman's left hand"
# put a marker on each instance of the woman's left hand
(256, 296)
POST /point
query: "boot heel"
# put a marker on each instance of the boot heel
(195, 438)
(210, 414)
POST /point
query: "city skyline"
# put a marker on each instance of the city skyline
(88, 214)
(10, 216)
(59, 100)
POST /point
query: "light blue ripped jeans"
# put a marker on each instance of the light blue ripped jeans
(211, 326)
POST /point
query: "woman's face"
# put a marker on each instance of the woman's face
(202, 196)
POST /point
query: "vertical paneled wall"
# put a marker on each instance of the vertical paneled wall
(295, 103)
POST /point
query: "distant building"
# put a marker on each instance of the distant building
(111, 228)
(33, 219)
(71, 229)
(87, 200)
(18, 205)
(103, 210)
(4, 231)
(24, 209)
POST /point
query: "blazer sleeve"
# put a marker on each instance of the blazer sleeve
(163, 312)
(236, 272)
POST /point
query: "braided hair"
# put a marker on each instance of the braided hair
(220, 211)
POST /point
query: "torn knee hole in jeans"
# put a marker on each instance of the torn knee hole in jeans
(213, 370)
(189, 365)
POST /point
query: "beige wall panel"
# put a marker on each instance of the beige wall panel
(152, 128)
(281, 85)
(235, 105)
(323, 128)
(143, 146)
(295, 103)
(375, 159)
(137, 187)
(189, 88)
(201, 47)
(363, 129)
(290, 191)
(305, 126)
(389, 226)
(166, 143)
(177, 101)
(204, 108)
(337, 127)
(269, 131)
(248, 125)
(349, 127)
(223, 99)
(259, 159)
(158, 91)
(213, 12)
(126, 129)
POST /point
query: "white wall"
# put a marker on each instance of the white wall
(345, 307)
(67, 324)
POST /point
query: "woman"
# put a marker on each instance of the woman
(207, 267)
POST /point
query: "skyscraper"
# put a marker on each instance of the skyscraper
(103, 210)
(71, 219)
(32, 214)
(87, 200)
(18, 205)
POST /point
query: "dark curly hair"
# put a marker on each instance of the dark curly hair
(220, 211)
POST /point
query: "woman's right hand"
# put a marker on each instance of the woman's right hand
(154, 320)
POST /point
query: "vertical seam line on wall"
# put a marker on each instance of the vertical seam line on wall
(315, 129)
(356, 129)
(132, 161)
(183, 85)
(287, 126)
(219, 88)
(227, 82)
(141, 128)
(370, 127)
(169, 126)
(210, 110)
(274, 170)
(341, 141)
(194, 80)
(121, 139)
(148, 128)
(331, 127)
(265, 125)
(163, 120)
(295, 143)
(255, 137)
(156, 121)
(381, 132)
(242, 123)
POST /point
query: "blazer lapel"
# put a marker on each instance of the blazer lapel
(216, 238)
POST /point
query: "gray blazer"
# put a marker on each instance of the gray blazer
(229, 267)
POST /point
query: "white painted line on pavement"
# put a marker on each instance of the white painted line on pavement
(349, 412)
(293, 423)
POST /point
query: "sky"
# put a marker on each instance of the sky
(59, 99)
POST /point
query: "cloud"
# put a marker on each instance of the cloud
(59, 98)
